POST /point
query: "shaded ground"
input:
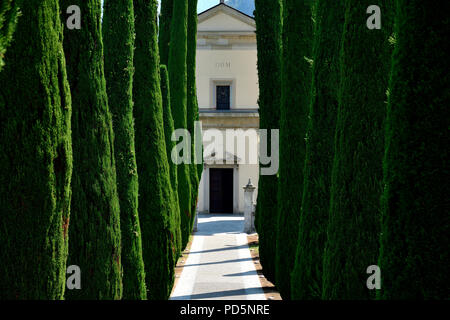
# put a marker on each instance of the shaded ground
(268, 287)
(218, 265)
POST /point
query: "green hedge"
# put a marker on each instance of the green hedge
(353, 228)
(9, 13)
(156, 207)
(165, 20)
(95, 241)
(296, 82)
(118, 35)
(35, 158)
(268, 32)
(168, 129)
(192, 102)
(414, 254)
(307, 274)
(178, 100)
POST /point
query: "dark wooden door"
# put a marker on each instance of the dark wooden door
(223, 97)
(220, 190)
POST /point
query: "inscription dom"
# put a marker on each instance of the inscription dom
(223, 65)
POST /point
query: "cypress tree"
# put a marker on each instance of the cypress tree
(307, 273)
(9, 12)
(178, 101)
(296, 80)
(118, 34)
(268, 33)
(95, 244)
(35, 158)
(353, 227)
(165, 20)
(156, 199)
(192, 102)
(168, 129)
(414, 255)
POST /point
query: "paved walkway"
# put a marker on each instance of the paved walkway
(219, 265)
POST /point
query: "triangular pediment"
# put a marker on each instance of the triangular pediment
(221, 156)
(225, 18)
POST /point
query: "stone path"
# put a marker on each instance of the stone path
(219, 265)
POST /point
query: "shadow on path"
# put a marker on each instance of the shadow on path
(219, 264)
(221, 294)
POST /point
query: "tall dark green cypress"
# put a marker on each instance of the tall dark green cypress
(178, 101)
(9, 12)
(168, 130)
(165, 21)
(192, 102)
(118, 35)
(155, 192)
(35, 158)
(296, 82)
(268, 18)
(94, 235)
(353, 228)
(415, 231)
(306, 282)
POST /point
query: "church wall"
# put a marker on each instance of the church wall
(237, 66)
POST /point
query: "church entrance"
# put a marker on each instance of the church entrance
(221, 190)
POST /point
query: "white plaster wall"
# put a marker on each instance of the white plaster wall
(245, 171)
(227, 58)
(201, 194)
(237, 65)
(224, 22)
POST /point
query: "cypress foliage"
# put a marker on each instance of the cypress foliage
(95, 244)
(268, 32)
(168, 130)
(178, 101)
(192, 102)
(35, 158)
(9, 12)
(165, 20)
(296, 81)
(156, 199)
(307, 274)
(414, 255)
(353, 228)
(118, 34)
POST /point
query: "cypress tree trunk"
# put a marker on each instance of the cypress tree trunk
(178, 101)
(35, 158)
(353, 228)
(296, 81)
(9, 12)
(168, 129)
(165, 20)
(414, 255)
(307, 274)
(118, 33)
(95, 244)
(156, 199)
(192, 102)
(268, 23)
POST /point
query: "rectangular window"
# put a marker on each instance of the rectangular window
(223, 97)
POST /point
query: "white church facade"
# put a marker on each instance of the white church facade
(227, 90)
